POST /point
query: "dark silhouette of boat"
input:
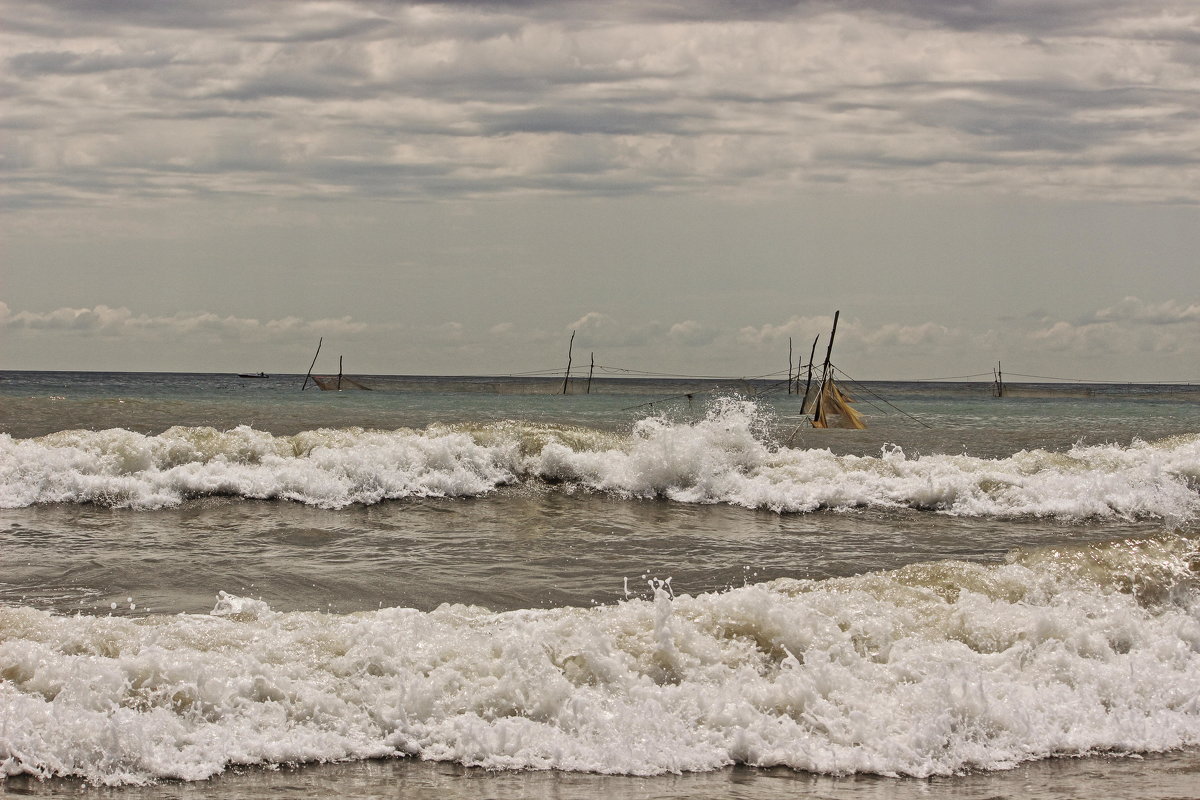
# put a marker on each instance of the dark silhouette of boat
(253, 375)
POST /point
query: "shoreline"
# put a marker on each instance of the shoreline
(1152, 776)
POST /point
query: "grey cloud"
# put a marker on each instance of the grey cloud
(1053, 94)
(1149, 158)
(1135, 310)
(595, 183)
(348, 29)
(368, 97)
(68, 18)
(605, 119)
(303, 86)
(1020, 127)
(454, 83)
(1023, 116)
(206, 114)
(721, 10)
(646, 11)
(517, 84)
(384, 180)
(1025, 16)
(66, 63)
(1028, 16)
(877, 157)
(21, 123)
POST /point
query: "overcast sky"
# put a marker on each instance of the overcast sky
(454, 187)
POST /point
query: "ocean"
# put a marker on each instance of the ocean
(477, 587)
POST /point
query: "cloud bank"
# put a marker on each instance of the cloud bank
(135, 102)
(1162, 336)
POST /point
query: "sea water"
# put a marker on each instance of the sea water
(657, 589)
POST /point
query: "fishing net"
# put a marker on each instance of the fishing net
(834, 411)
(337, 383)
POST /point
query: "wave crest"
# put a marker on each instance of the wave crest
(928, 670)
(727, 457)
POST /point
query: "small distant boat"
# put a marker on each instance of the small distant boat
(253, 375)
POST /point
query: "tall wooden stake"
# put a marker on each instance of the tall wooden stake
(825, 368)
(789, 365)
(829, 350)
(591, 369)
(339, 373)
(308, 375)
(808, 384)
(567, 377)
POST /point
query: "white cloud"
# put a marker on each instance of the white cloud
(1130, 327)
(1159, 336)
(800, 329)
(690, 333)
(596, 329)
(1132, 309)
(121, 322)
(924, 335)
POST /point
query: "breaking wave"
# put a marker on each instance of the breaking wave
(931, 669)
(728, 457)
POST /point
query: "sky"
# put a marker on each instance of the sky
(688, 185)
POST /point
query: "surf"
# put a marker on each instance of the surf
(729, 456)
(933, 669)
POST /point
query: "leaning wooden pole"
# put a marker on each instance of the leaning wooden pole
(829, 350)
(591, 369)
(567, 377)
(339, 373)
(808, 384)
(308, 374)
(825, 368)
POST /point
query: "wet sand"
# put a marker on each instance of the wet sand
(1170, 776)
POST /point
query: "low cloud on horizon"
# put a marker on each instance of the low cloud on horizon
(104, 336)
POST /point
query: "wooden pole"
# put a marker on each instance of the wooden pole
(591, 369)
(307, 375)
(789, 365)
(567, 377)
(825, 368)
(339, 373)
(808, 384)
(829, 350)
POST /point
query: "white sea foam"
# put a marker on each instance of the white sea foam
(728, 457)
(932, 669)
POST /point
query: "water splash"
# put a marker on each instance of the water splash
(727, 457)
(932, 669)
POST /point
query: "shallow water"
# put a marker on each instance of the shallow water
(523, 548)
(1147, 778)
